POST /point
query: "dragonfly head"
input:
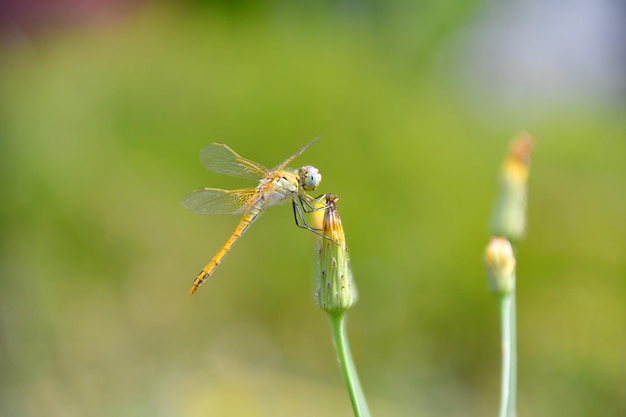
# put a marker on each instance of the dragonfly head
(309, 177)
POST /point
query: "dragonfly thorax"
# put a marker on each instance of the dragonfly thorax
(309, 177)
(278, 188)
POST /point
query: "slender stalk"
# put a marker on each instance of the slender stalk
(335, 293)
(513, 358)
(351, 378)
(508, 223)
(509, 355)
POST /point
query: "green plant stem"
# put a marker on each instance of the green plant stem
(351, 378)
(509, 355)
(513, 373)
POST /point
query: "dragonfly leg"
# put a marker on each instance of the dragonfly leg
(298, 213)
(300, 220)
(311, 204)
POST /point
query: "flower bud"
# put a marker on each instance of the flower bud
(509, 213)
(335, 290)
(500, 266)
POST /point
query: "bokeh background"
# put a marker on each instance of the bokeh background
(104, 107)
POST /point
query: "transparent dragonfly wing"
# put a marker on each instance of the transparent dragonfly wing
(217, 157)
(216, 201)
(286, 162)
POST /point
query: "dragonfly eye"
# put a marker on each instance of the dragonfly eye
(310, 177)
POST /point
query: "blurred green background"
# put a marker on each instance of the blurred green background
(102, 116)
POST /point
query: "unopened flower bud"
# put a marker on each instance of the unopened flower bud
(500, 266)
(509, 213)
(335, 290)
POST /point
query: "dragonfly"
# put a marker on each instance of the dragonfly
(277, 185)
